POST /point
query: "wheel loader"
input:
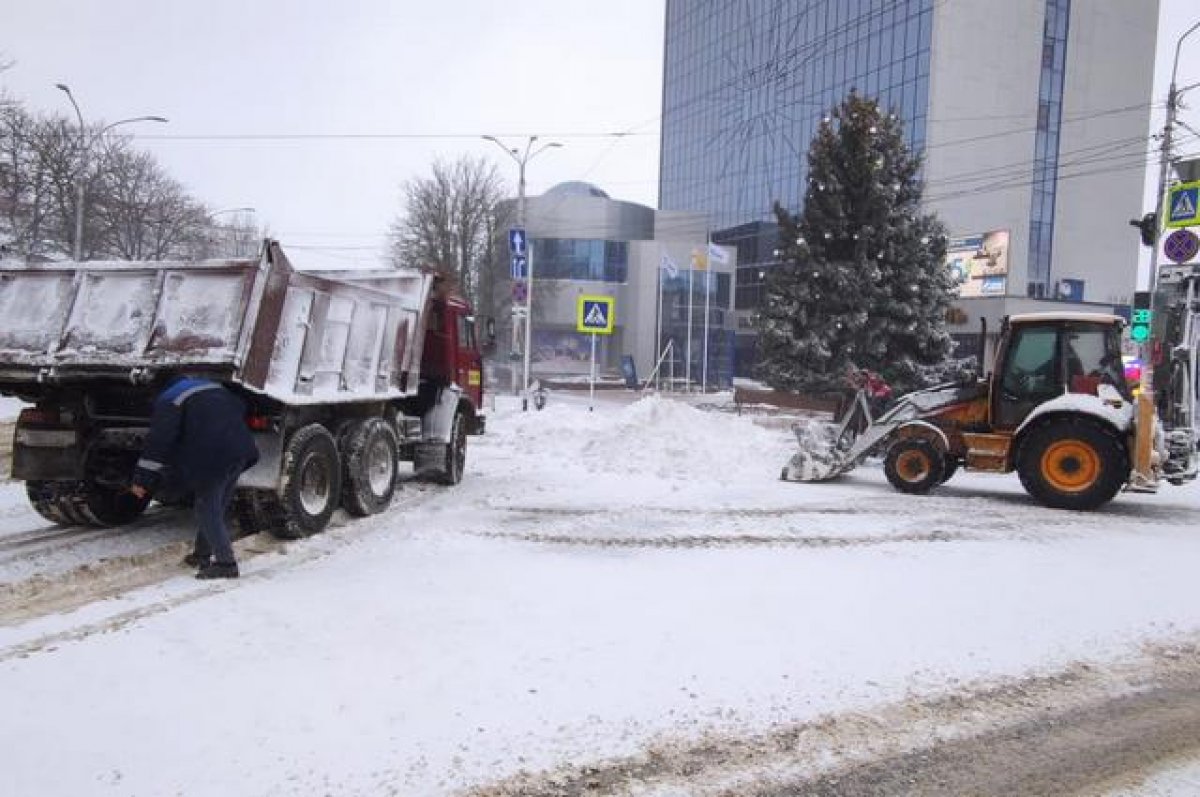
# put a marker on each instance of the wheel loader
(1056, 408)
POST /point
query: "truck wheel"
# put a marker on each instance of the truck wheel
(369, 455)
(312, 483)
(914, 465)
(1072, 463)
(49, 499)
(101, 505)
(455, 456)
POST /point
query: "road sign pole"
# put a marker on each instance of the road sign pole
(592, 381)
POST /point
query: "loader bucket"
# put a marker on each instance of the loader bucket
(819, 457)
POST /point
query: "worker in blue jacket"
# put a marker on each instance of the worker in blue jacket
(198, 431)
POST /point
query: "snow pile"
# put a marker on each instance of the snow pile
(654, 436)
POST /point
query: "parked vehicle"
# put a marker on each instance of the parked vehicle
(344, 374)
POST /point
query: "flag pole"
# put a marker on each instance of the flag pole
(658, 327)
(687, 356)
(707, 289)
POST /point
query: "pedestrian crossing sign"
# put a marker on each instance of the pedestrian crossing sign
(1183, 205)
(595, 314)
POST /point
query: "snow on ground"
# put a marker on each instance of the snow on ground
(600, 579)
(10, 407)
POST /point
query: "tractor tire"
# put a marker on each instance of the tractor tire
(948, 470)
(1072, 463)
(914, 465)
(311, 485)
(369, 456)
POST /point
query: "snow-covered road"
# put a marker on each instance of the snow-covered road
(599, 582)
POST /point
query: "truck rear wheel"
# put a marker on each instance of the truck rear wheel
(455, 461)
(369, 454)
(312, 484)
(50, 500)
(103, 505)
(914, 465)
(1072, 463)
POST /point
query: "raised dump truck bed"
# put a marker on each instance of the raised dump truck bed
(91, 344)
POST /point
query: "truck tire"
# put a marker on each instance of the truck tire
(369, 457)
(1072, 463)
(454, 457)
(49, 499)
(311, 486)
(914, 465)
(102, 505)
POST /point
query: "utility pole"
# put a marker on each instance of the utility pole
(85, 148)
(1142, 475)
(522, 159)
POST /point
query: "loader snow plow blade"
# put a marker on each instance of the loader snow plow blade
(819, 457)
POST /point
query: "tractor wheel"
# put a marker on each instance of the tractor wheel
(369, 455)
(948, 470)
(1072, 463)
(914, 465)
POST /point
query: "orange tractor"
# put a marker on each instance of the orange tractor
(1056, 409)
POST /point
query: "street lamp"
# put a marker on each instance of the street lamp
(85, 147)
(522, 159)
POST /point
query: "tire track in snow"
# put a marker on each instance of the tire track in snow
(1076, 731)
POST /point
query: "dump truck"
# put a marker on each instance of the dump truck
(1055, 408)
(345, 374)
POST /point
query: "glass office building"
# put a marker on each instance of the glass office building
(747, 83)
(1016, 107)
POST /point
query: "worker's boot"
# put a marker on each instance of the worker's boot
(196, 559)
(218, 570)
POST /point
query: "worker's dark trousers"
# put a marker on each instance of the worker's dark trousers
(212, 500)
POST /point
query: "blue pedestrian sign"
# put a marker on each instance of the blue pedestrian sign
(520, 267)
(595, 314)
(1183, 205)
(516, 240)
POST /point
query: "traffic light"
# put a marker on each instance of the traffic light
(1148, 227)
(1140, 318)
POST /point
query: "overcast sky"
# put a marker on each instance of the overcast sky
(428, 77)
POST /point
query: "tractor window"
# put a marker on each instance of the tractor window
(1093, 357)
(1030, 372)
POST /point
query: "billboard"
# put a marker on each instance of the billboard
(979, 263)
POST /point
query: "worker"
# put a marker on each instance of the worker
(198, 432)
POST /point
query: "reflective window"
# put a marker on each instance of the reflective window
(580, 259)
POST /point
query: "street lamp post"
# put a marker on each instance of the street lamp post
(234, 240)
(85, 147)
(1146, 399)
(521, 159)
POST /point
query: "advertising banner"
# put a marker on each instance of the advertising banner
(979, 263)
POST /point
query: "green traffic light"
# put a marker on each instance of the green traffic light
(1139, 333)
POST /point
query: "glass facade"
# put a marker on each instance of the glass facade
(580, 259)
(1045, 147)
(746, 83)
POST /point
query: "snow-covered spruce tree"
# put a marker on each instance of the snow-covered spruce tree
(861, 279)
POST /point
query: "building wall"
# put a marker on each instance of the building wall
(747, 82)
(1106, 112)
(983, 105)
(578, 213)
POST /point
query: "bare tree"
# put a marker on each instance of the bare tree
(140, 212)
(448, 222)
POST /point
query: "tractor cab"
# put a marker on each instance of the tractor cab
(1043, 357)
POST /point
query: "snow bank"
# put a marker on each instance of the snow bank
(654, 436)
